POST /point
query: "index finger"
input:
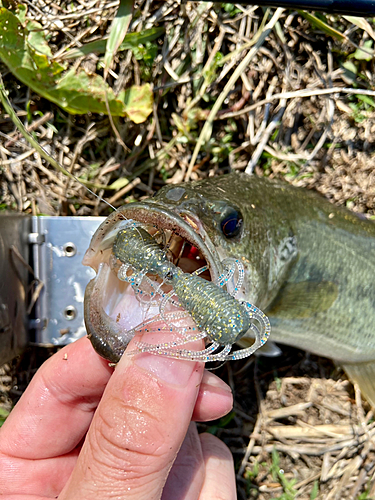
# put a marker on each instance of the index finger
(55, 412)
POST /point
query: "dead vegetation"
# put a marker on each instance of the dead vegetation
(302, 109)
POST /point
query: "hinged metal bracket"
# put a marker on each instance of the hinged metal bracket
(58, 246)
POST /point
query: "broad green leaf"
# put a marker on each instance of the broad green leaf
(365, 53)
(27, 55)
(318, 23)
(118, 30)
(27, 62)
(36, 39)
(138, 102)
(349, 66)
(362, 23)
(131, 41)
(82, 93)
(20, 12)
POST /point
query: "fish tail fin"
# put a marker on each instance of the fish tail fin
(364, 375)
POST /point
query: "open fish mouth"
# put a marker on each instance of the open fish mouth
(112, 308)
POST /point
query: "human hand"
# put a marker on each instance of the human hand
(82, 430)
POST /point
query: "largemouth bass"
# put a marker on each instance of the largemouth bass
(309, 265)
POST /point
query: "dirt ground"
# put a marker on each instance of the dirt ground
(299, 429)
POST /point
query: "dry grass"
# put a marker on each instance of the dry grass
(313, 436)
(308, 140)
(268, 124)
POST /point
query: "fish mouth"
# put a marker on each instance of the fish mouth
(112, 309)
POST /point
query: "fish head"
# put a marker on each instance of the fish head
(202, 224)
(235, 222)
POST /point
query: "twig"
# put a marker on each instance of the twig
(266, 135)
(298, 93)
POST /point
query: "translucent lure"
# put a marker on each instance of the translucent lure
(217, 314)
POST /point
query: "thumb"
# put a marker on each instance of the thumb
(137, 429)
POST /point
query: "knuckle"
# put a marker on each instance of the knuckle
(126, 437)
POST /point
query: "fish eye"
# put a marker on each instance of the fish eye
(231, 224)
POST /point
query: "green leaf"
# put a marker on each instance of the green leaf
(350, 71)
(26, 60)
(138, 102)
(349, 66)
(362, 23)
(315, 491)
(36, 39)
(131, 41)
(318, 23)
(27, 55)
(365, 53)
(20, 12)
(119, 184)
(366, 99)
(80, 93)
(118, 30)
(146, 53)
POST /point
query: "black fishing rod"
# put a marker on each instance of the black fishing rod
(345, 7)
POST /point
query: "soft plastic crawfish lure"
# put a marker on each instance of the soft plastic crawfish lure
(217, 314)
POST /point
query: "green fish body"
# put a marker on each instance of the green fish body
(309, 265)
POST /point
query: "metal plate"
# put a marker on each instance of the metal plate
(59, 244)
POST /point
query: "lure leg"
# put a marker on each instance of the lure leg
(260, 338)
(204, 355)
(168, 297)
(230, 267)
(122, 273)
(168, 317)
(145, 347)
(149, 297)
(262, 319)
(146, 326)
(185, 353)
(243, 353)
(136, 279)
(200, 270)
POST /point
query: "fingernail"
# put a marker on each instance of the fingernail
(216, 383)
(173, 371)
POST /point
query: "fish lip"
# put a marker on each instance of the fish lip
(164, 218)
